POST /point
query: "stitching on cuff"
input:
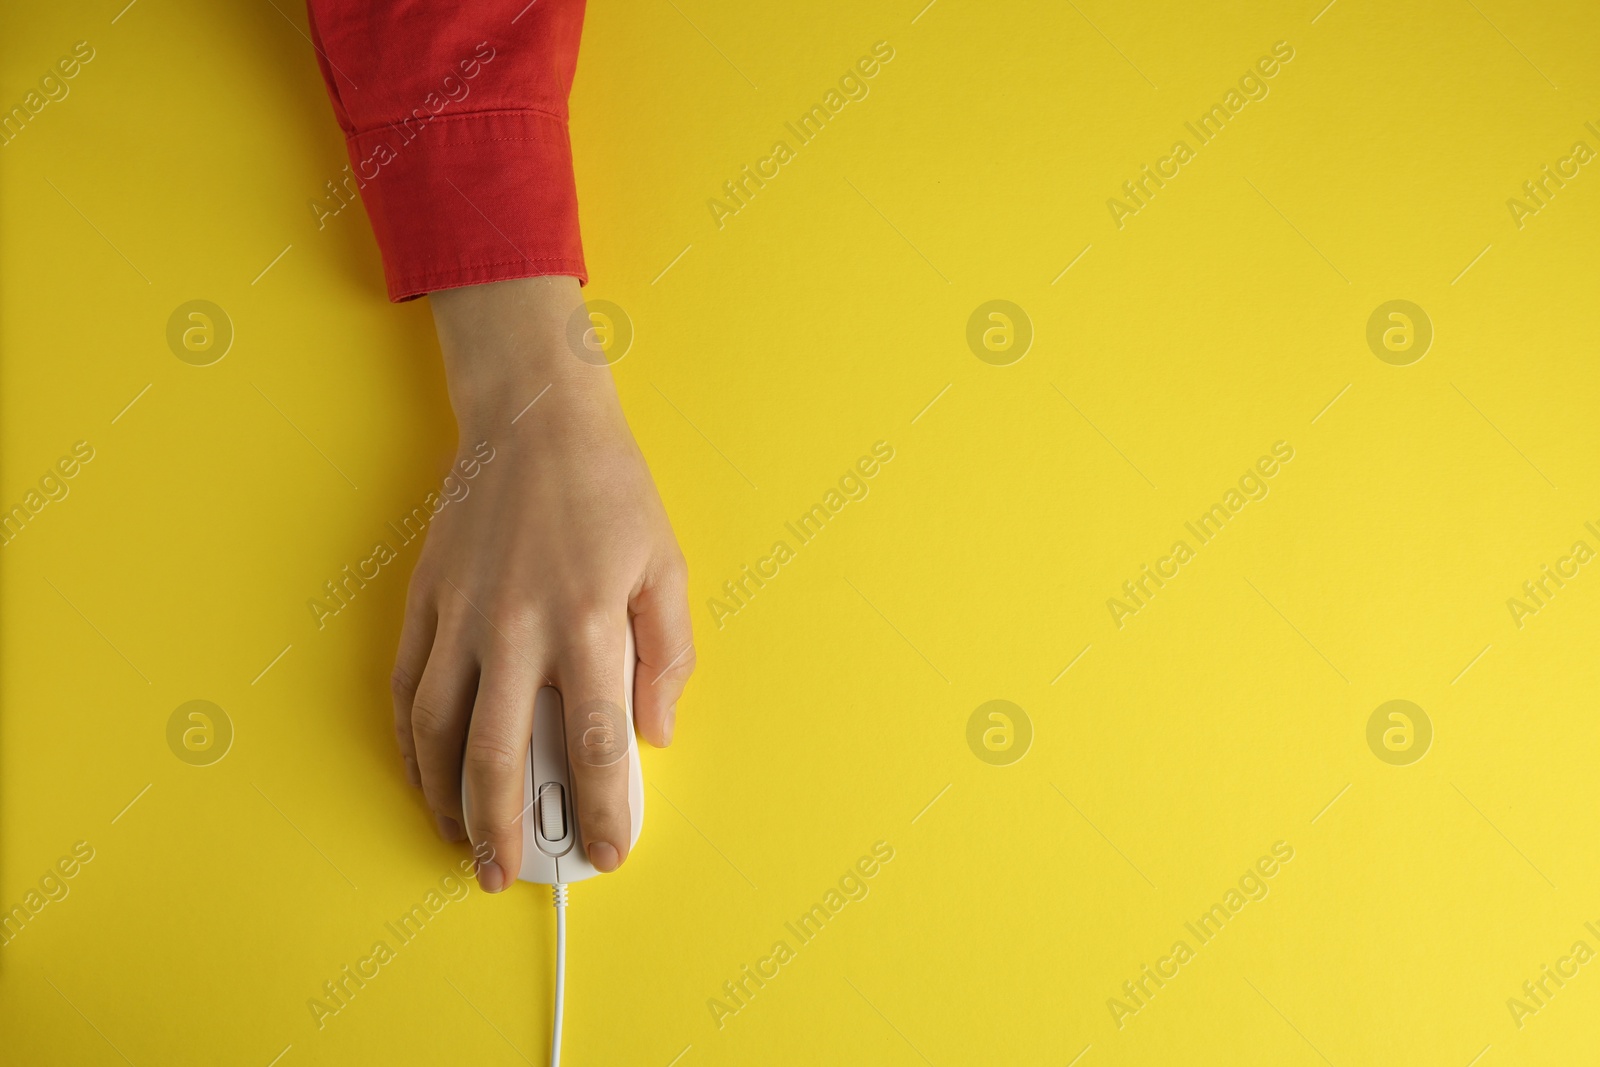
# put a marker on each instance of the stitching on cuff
(466, 116)
(401, 290)
(426, 277)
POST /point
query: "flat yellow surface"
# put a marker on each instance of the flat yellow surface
(1170, 749)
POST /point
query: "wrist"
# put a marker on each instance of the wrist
(507, 345)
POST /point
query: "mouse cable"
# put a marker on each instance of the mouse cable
(558, 895)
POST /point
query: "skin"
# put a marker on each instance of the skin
(530, 582)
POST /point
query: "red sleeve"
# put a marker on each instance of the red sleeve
(455, 116)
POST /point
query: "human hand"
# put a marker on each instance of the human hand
(531, 579)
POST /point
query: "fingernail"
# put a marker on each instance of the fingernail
(412, 775)
(491, 877)
(668, 724)
(449, 829)
(603, 856)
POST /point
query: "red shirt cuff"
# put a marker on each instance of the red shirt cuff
(466, 199)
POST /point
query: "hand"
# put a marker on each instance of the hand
(529, 581)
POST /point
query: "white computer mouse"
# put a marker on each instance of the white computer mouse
(552, 841)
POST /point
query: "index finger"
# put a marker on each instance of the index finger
(495, 767)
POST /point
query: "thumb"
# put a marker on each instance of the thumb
(665, 643)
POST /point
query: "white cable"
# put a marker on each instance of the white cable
(558, 894)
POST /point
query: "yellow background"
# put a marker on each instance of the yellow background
(828, 713)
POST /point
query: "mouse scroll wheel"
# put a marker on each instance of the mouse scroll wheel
(552, 812)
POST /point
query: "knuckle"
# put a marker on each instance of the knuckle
(442, 797)
(494, 754)
(402, 685)
(589, 624)
(430, 718)
(499, 830)
(603, 812)
(677, 667)
(686, 659)
(598, 737)
(517, 622)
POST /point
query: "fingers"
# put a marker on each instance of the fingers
(439, 717)
(597, 737)
(416, 639)
(496, 755)
(665, 643)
